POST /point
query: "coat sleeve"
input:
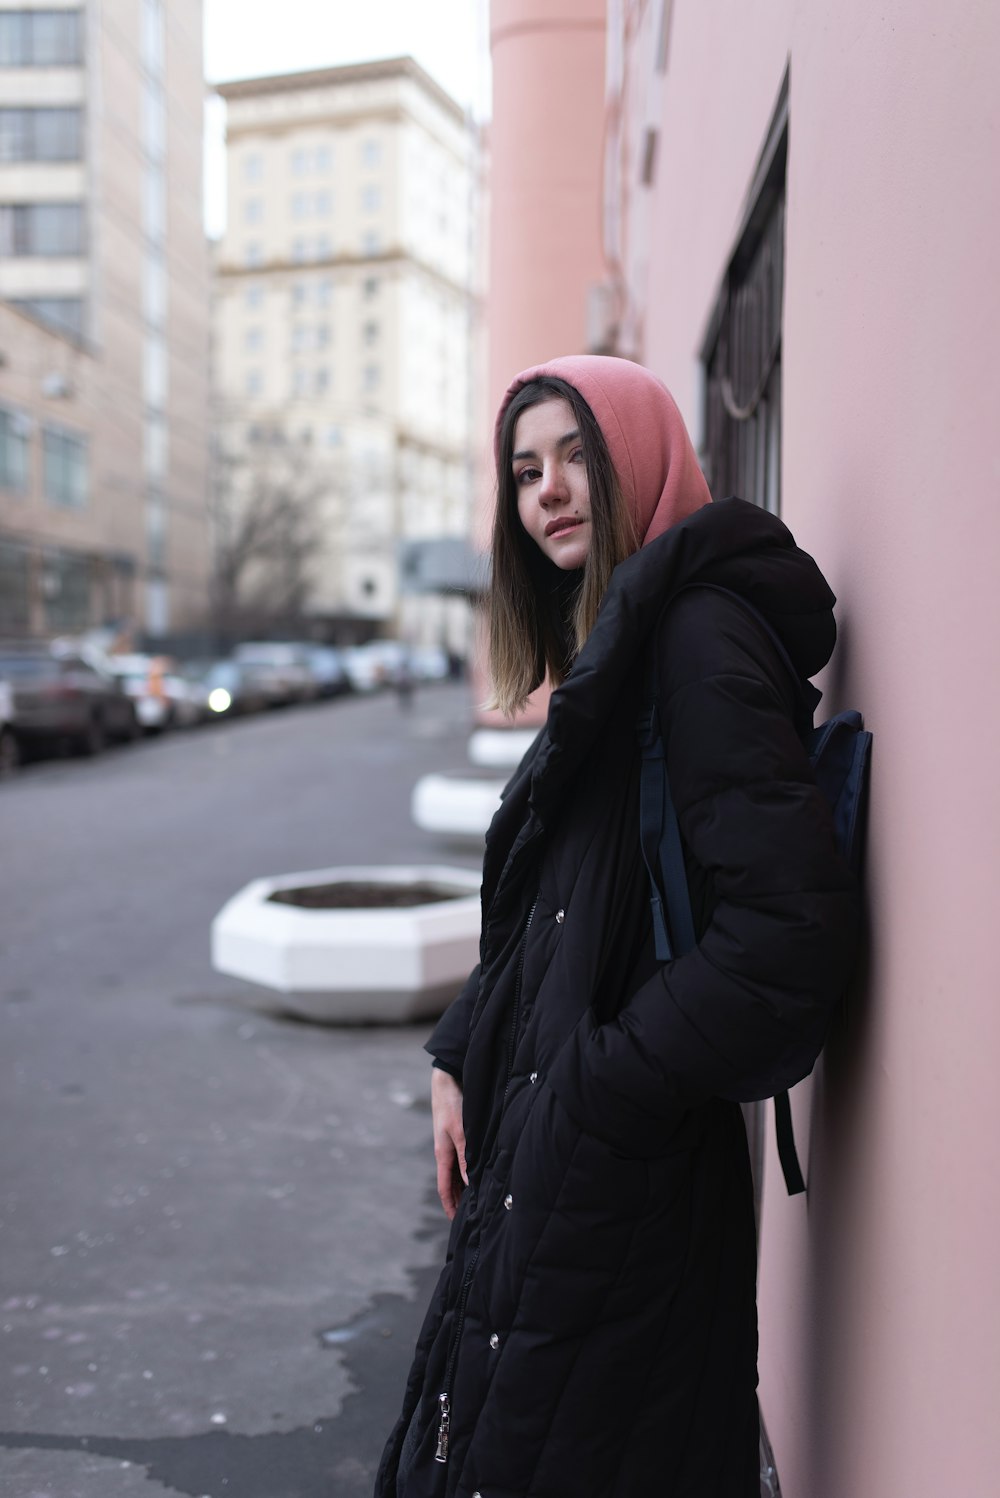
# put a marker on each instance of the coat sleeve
(450, 1038)
(756, 993)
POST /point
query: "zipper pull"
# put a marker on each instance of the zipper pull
(441, 1454)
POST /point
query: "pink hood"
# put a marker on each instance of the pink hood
(646, 436)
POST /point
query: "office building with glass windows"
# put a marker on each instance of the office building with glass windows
(103, 318)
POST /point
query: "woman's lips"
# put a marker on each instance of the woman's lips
(565, 523)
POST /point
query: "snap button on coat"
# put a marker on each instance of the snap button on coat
(495, 1341)
(560, 917)
(508, 1201)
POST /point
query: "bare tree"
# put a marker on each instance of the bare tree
(271, 514)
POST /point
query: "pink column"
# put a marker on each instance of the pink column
(546, 149)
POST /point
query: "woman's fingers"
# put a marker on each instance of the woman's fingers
(449, 1139)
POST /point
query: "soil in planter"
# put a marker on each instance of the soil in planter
(359, 896)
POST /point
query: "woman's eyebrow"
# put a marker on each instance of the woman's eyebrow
(561, 442)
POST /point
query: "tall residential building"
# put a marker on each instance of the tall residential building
(343, 320)
(103, 346)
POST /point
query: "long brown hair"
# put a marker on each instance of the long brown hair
(539, 616)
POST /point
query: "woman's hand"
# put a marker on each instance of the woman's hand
(449, 1139)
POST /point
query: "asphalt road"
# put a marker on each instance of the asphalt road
(217, 1225)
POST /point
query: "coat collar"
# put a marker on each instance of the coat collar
(730, 542)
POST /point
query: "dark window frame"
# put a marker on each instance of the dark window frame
(741, 352)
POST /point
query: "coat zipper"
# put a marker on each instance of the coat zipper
(444, 1398)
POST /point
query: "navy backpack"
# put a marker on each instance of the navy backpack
(840, 754)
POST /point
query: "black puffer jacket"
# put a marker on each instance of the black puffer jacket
(594, 1329)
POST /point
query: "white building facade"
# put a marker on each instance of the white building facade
(343, 325)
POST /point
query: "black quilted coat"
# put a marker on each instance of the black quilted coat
(593, 1334)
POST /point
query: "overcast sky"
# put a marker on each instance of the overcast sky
(248, 38)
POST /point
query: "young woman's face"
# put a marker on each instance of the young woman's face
(550, 475)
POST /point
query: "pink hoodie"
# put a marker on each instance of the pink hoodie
(651, 451)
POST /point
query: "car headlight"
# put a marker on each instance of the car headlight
(219, 700)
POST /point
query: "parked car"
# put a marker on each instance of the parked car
(429, 663)
(10, 748)
(374, 665)
(326, 665)
(59, 697)
(282, 667)
(143, 678)
(228, 688)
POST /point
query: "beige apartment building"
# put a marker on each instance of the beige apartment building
(103, 319)
(344, 313)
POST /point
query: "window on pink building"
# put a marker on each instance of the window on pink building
(742, 353)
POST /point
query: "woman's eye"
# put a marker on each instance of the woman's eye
(576, 456)
(526, 475)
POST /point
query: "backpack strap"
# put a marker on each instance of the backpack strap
(663, 852)
(660, 836)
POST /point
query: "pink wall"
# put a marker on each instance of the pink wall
(546, 147)
(880, 1306)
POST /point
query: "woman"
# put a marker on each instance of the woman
(593, 1333)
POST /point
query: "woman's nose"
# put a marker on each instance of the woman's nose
(552, 489)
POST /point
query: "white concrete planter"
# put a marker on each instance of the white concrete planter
(372, 966)
(500, 748)
(460, 805)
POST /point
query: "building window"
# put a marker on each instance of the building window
(372, 377)
(324, 159)
(370, 334)
(253, 298)
(742, 353)
(322, 381)
(371, 151)
(15, 589)
(323, 335)
(324, 247)
(66, 589)
(300, 381)
(153, 36)
(63, 313)
(154, 120)
(663, 36)
(254, 341)
(324, 292)
(253, 211)
(154, 446)
(301, 338)
(323, 204)
(300, 252)
(15, 432)
(300, 205)
(254, 382)
(254, 253)
(334, 436)
(370, 288)
(154, 289)
(64, 468)
(41, 134)
(154, 202)
(44, 229)
(41, 38)
(300, 162)
(371, 197)
(253, 167)
(370, 242)
(154, 370)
